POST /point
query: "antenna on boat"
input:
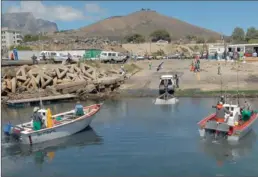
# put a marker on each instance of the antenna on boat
(40, 100)
(220, 84)
(237, 84)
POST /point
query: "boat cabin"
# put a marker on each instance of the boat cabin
(232, 118)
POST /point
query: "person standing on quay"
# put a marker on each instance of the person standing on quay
(150, 65)
(219, 69)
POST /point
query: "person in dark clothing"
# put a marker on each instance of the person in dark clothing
(177, 81)
(198, 63)
(34, 59)
(221, 112)
(216, 55)
(44, 57)
(69, 59)
(37, 119)
(222, 99)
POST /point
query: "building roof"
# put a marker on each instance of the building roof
(242, 45)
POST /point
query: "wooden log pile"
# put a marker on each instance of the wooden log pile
(61, 79)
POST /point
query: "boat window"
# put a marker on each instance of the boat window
(169, 82)
(113, 54)
(104, 54)
(109, 54)
(43, 113)
(162, 82)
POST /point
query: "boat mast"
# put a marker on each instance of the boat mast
(221, 84)
(237, 84)
(40, 100)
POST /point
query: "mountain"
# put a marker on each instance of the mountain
(144, 22)
(27, 23)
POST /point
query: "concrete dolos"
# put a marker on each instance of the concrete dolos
(61, 79)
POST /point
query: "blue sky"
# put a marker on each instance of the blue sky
(220, 16)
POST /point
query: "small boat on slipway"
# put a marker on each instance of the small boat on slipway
(57, 126)
(167, 88)
(233, 126)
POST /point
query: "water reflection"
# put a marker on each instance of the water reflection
(223, 151)
(46, 151)
(173, 108)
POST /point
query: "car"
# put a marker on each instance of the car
(112, 57)
(174, 56)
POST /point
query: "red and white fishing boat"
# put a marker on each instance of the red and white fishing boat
(63, 124)
(233, 127)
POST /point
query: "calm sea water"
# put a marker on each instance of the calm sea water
(133, 137)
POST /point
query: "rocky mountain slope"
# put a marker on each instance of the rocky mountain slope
(144, 23)
(27, 23)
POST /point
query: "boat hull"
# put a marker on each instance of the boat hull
(168, 101)
(58, 131)
(202, 133)
(237, 134)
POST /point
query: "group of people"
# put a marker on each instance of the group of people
(14, 54)
(222, 111)
(195, 65)
(230, 55)
(38, 121)
(44, 58)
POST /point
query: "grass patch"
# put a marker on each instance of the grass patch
(20, 47)
(32, 38)
(132, 68)
(198, 92)
(93, 63)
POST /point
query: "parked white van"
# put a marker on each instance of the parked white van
(56, 56)
(112, 57)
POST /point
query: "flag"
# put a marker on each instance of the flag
(49, 119)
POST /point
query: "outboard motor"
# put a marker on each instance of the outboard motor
(8, 129)
(12, 132)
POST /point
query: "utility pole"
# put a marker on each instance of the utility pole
(150, 46)
(225, 46)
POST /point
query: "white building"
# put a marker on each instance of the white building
(217, 47)
(246, 48)
(10, 37)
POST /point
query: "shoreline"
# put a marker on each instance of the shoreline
(148, 93)
(194, 93)
(143, 81)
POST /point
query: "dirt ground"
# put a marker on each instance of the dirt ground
(206, 80)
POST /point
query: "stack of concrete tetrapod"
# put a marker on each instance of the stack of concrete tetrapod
(63, 79)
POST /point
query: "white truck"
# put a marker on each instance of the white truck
(112, 57)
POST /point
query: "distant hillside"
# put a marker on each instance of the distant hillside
(144, 23)
(27, 23)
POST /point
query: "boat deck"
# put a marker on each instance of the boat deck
(65, 118)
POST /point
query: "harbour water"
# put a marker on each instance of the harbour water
(133, 137)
